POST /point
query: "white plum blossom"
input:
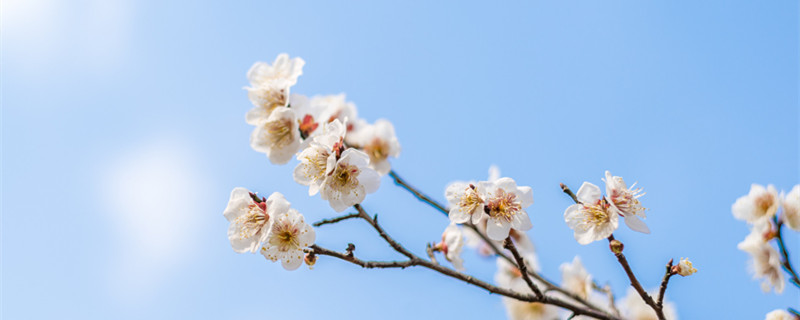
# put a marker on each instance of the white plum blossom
(318, 156)
(685, 268)
(779, 314)
(760, 203)
(766, 259)
(591, 219)
(505, 204)
(349, 180)
(634, 308)
(278, 136)
(269, 86)
(250, 220)
(287, 238)
(791, 208)
(332, 107)
(379, 142)
(575, 278)
(625, 201)
(466, 201)
(452, 244)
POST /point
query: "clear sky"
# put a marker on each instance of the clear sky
(123, 134)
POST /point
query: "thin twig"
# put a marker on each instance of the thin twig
(421, 196)
(663, 288)
(569, 193)
(364, 264)
(635, 282)
(786, 263)
(374, 222)
(337, 219)
(523, 267)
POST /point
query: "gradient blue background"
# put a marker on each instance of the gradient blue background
(695, 101)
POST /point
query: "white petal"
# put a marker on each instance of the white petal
(277, 205)
(455, 191)
(292, 261)
(521, 221)
(458, 216)
(525, 196)
(635, 224)
(507, 184)
(589, 193)
(370, 179)
(497, 229)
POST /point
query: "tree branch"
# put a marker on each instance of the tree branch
(523, 267)
(417, 261)
(635, 282)
(421, 196)
(337, 219)
(663, 288)
(786, 263)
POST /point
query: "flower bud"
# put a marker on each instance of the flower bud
(616, 246)
(684, 268)
(310, 260)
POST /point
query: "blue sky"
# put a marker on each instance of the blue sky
(123, 133)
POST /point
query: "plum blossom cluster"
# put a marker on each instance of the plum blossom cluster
(498, 203)
(595, 217)
(766, 212)
(270, 224)
(342, 158)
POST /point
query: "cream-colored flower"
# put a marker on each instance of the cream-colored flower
(318, 155)
(250, 220)
(791, 208)
(505, 205)
(452, 244)
(278, 136)
(634, 308)
(685, 267)
(575, 278)
(349, 180)
(379, 142)
(766, 259)
(591, 219)
(287, 238)
(269, 86)
(761, 203)
(625, 201)
(780, 314)
(466, 201)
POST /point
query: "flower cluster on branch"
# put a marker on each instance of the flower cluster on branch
(342, 158)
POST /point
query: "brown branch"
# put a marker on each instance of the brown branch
(421, 196)
(374, 222)
(786, 263)
(337, 219)
(569, 193)
(663, 288)
(523, 267)
(364, 264)
(635, 282)
(550, 285)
